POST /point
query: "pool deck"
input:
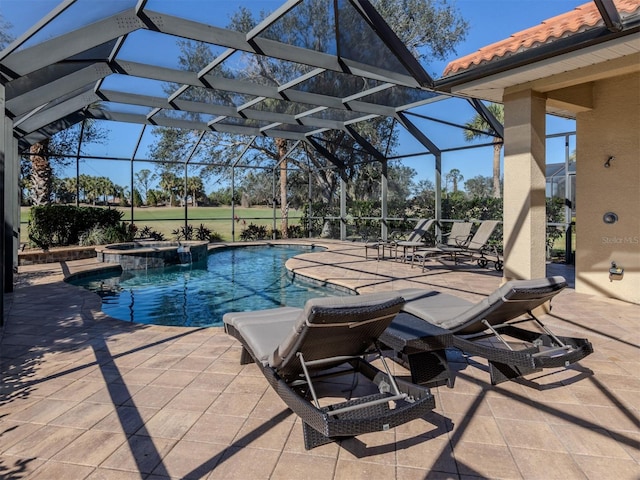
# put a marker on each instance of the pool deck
(84, 396)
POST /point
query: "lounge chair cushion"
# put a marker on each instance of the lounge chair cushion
(274, 335)
(463, 317)
(263, 330)
(434, 307)
(334, 310)
(511, 300)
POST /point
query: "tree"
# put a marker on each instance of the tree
(281, 146)
(144, 179)
(153, 197)
(137, 198)
(92, 188)
(479, 186)
(429, 28)
(58, 151)
(258, 185)
(171, 185)
(41, 173)
(195, 188)
(478, 127)
(454, 177)
(5, 36)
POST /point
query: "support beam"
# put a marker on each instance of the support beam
(438, 199)
(343, 209)
(78, 153)
(133, 156)
(435, 151)
(524, 185)
(4, 121)
(233, 187)
(482, 109)
(384, 194)
(328, 155)
(609, 14)
(393, 43)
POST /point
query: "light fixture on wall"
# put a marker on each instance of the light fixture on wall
(610, 218)
(615, 272)
(607, 164)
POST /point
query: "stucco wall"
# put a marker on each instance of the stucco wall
(612, 128)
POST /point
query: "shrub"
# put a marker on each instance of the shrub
(184, 232)
(205, 234)
(123, 232)
(555, 214)
(93, 236)
(61, 225)
(148, 232)
(202, 233)
(295, 231)
(254, 232)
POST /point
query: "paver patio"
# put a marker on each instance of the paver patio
(87, 396)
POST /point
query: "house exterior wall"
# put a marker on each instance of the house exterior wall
(611, 128)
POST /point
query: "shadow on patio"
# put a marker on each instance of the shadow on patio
(86, 396)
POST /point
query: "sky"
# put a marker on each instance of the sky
(489, 21)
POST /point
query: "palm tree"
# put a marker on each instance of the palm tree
(171, 185)
(41, 173)
(195, 187)
(454, 176)
(475, 129)
(281, 145)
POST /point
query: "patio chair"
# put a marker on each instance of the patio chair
(414, 240)
(489, 328)
(405, 240)
(476, 247)
(296, 347)
(458, 236)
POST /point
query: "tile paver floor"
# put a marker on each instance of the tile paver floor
(84, 396)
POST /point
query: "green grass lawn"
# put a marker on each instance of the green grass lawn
(167, 219)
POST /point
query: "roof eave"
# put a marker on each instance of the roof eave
(562, 46)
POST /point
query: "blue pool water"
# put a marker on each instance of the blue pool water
(234, 279)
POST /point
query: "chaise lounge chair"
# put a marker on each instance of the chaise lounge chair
(296, 347)
(457, 237)
(477, 247)
(414, 240)
(488, 328)
(411, 240)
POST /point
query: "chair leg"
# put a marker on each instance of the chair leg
(430, 368)
(312, 437)
(377, 247)
(501, 372)
(245, 357)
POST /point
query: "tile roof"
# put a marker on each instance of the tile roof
(577, 20)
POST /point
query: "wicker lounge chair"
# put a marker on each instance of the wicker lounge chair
(488, 328)
(296, 347)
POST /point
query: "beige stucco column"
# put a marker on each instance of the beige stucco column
(524, 185)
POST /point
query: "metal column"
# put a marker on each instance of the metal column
(343, 209)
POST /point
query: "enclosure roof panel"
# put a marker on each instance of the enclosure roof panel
(197, 66)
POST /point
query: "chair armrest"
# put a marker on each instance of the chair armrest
(398, 235)
(462, 241)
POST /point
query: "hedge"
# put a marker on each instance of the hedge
(62, 225)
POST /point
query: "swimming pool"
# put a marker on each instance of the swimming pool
(233, 279)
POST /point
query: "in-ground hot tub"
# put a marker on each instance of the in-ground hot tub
(140, 255)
